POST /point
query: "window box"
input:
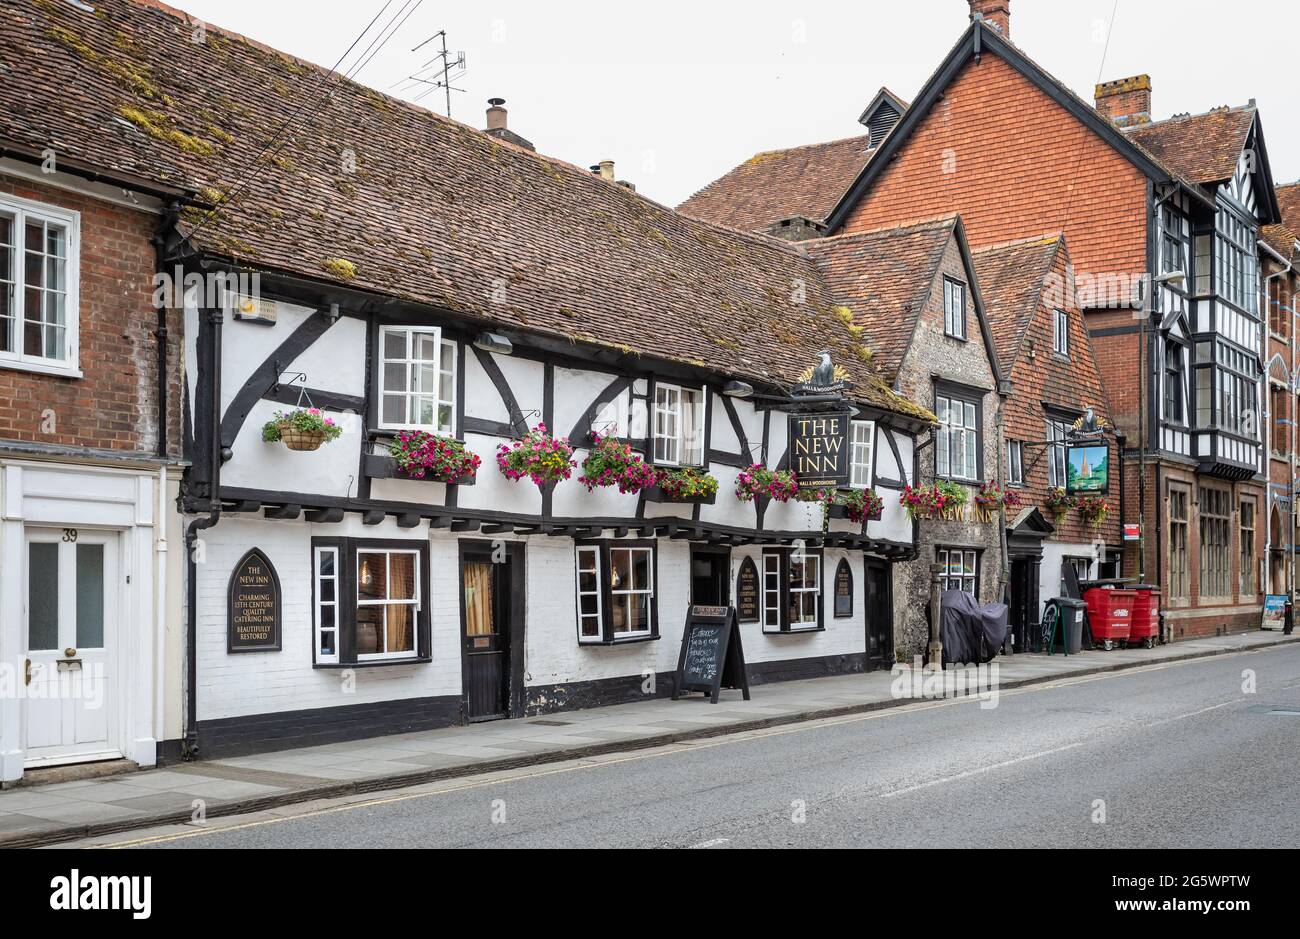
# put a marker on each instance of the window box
(656, 494)
(378, 466)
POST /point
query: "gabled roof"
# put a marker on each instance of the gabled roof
(779, 184)
(980, 39)
(436, 213)
(1012, 277)
(886, 276)
(1207, 148)
(883, 97)
(1285, 234)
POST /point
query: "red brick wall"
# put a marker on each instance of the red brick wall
(1073, 384)
(1014, 164)
(114, 405)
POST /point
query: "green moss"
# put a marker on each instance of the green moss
(341, 268)
(210, 195)
(122, 70)
(158, 125)
(284, 163)
(220, 134)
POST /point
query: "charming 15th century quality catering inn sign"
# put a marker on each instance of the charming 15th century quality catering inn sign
(253, 623)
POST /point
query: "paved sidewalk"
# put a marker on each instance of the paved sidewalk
(48, 814)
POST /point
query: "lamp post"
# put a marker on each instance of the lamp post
(936, 646)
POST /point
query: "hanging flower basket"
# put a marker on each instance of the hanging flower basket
(301, 429)
(1059, 502)
(758, 480)
(421, 455)
(1093, 510)
(611, 463)
(989, 501)
(684, 486)
(950, 501)
(863, 505)
(539, 456)
(920, 502)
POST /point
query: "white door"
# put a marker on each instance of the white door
(70, 608)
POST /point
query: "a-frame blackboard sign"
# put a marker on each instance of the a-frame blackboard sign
(712, 657)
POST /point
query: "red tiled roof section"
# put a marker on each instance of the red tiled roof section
(779, 184)
(1283, 236)
(1011, 279)
(884, 277)
(1203, 148)
(435, 212)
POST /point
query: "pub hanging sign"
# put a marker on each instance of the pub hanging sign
(819, 449)
(253, 613)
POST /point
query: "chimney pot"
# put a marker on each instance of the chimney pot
(496, 114)
(1126, 101)
(996, 13)
(607, 170)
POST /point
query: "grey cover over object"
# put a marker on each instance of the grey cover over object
(970, 633)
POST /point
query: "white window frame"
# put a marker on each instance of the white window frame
(321, 604)
(23, 210)
(592, 552)
(1015, 463)
(414, 602)
(1057, 434)
(967, 573)
(862, 449)
(670, 446)
(815, 590)
(409, 362)
(771, 593)
(954, 319)
(648, 592)
(1061, 333)
(950, 436)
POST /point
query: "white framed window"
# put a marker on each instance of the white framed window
(961, 569)
(1061, 333)
(860, 456)
(958, 440)
(589, 606)
(327, 604)
(792, 590)
(616, 592)
(1015, 463)
(39, 283)
(1057, 432)
(417, 376)
(954, 308)
(388, 601)
(678, 425)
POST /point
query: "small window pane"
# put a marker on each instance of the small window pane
(372, 576)
(401, 578)
(42, 596)
(90, 596)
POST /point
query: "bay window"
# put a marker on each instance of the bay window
(616, 592)
(38, 286)
(368, 602)
(792, 590)
(1236, 262)
(863, 435)
(417, 375)
(678, 425)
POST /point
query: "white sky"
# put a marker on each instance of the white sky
(679, 92)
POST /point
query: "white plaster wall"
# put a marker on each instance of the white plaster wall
(1049, 571)
(332, 470)
(323, 364)
(245, 345)
(481, 397)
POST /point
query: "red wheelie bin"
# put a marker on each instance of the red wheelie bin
(1145, 629)
(1110, 614)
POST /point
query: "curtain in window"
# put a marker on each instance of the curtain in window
(478, 599)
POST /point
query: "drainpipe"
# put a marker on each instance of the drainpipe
(1268, 444)
(214, 320)
(160, 608)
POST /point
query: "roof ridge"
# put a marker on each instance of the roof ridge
(810, 146)
(1177, 118)
(934, 221)
(1046, 239)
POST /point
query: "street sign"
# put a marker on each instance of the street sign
(1132, 532)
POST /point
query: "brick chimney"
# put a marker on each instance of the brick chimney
(1126, 101)
(997, 13)
(498, 124)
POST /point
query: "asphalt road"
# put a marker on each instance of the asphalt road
(1172, 756)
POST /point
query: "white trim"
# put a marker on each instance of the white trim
(317, 602)
(677, 449)
(408, 361)
(648, 591)
(70, 220)
(855, 445)
(594, 551)
(414, 602)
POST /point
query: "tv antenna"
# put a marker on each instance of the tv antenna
(442, 71)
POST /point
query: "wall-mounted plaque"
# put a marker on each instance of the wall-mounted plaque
(748, 593)
(253, 614)
(843, 589)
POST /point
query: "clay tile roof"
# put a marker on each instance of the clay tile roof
(780, 184)
(1283, 236)
(1203, 148)
(436, 212)
(1011, 278)
(884, 278)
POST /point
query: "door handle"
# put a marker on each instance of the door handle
(70, 652)
(28, 671)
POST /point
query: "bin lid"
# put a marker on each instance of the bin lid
(1113, 582)
(1069, 602)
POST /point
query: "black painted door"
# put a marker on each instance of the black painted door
(485, 627)
(710, 578)
(878, 606)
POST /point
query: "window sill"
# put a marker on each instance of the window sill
(606, 643)
(377, 663)
(795, 631)
(40, 368)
